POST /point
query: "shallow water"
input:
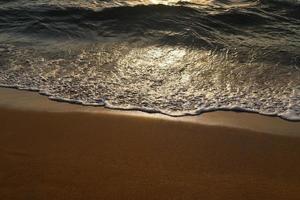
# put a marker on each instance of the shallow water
(174, 57)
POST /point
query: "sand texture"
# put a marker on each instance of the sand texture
(51, 150)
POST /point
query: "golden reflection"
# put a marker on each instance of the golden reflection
(169, 2)
(229, 4)
(165, 56)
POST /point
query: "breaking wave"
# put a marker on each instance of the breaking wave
(177, 58)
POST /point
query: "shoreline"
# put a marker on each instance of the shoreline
(33, 101)
(52, 150)
(146, 110)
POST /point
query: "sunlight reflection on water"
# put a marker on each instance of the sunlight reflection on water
(175, 59)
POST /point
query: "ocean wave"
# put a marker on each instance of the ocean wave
(137, 21)
(171, 80)
(181, 58)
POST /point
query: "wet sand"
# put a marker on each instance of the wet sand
(52, 150)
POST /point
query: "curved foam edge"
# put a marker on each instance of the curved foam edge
(289, 115)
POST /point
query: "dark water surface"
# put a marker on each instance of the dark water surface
(173, 57)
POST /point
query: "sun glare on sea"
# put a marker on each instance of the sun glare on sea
(163, 2)
(168, 2)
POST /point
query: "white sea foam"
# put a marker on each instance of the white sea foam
(180, 58)
(174, 81)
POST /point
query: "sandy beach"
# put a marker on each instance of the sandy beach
(54, 150)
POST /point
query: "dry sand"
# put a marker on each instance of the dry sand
(51, 150)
